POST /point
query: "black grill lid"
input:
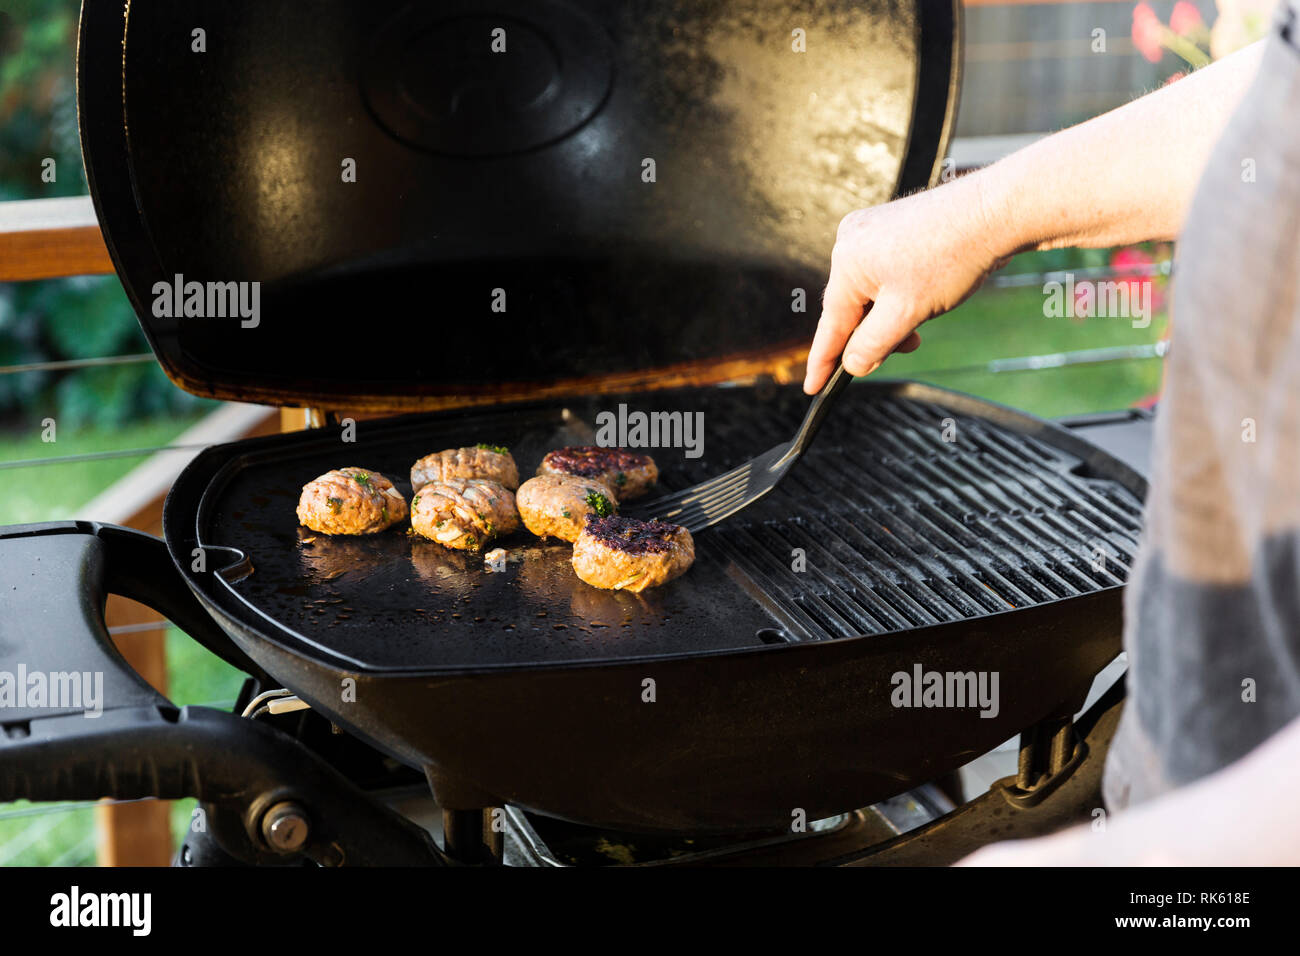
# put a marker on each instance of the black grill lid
(484, 177)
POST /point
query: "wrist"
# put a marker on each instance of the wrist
(998, 225)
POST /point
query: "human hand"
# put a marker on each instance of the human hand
(904, 262)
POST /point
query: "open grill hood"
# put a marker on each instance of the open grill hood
(628, 194)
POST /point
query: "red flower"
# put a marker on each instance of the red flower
(1185, 18)
(1133, 267)
(1147, 32)
(1130, 261)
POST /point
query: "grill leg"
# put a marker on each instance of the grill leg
(1045, 749)
(468, 836)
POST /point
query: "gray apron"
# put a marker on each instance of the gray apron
(1212, 612)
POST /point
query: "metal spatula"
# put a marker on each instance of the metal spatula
(711, 501)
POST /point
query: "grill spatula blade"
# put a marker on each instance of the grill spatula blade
(711, 501)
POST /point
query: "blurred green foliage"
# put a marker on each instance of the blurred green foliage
(38, 100)
(61, 319)
(79, 318)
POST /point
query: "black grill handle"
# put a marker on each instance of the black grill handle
(140, 567)
(85, 561)
(238, 768)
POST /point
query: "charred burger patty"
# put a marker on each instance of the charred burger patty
(463, 513)
(631, 555)
(628, 473)
(350, 501)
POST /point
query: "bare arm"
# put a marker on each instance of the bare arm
(1122, 177)
(1125, 176)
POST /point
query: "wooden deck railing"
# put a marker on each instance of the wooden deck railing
(51, 238)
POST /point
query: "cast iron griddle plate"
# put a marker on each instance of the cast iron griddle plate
(885, 525)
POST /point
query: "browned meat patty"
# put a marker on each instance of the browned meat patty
(350, 501)
(463, 513)
(626, 554)
(628, 473)
(555, 506)
(491, 463)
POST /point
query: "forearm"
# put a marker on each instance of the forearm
(1125, 176)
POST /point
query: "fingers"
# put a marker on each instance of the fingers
(888, 326)
(841, 312)
(828, 343)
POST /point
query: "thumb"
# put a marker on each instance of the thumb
(888, 324)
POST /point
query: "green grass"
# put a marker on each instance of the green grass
(52, 492)
(46, 834)
(197, 676)
(1009, 322)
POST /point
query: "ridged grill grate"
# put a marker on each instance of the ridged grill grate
(899, 527)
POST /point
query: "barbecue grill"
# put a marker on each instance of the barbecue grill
(647, 189)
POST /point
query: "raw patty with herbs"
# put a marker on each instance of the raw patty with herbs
(555, 506)
(490, 462)
(350, 501)
(630, 474)
(463, 513)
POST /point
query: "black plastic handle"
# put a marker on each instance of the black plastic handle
(141, 568)
(73, 566)
(817, 411)
(237, 765)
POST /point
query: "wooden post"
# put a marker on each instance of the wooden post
(137, 834)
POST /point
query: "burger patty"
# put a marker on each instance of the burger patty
(628, 473)
(350, 501)
(626, 554)
(492, 463)
(556, 506)
(463, 513)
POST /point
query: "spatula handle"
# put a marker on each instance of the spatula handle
(818, 409)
